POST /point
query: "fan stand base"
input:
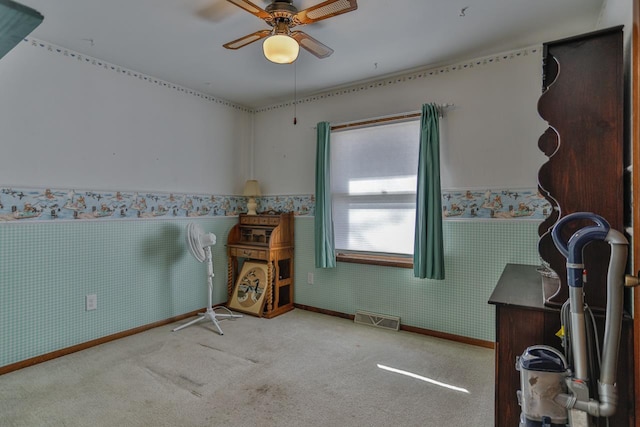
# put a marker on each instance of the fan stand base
(213, 316)
(210, 313)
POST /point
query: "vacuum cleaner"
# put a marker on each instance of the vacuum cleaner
(555, 388)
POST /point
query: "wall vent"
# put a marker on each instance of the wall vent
(378, 320)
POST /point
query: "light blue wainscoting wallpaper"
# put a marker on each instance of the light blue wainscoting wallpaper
(140, 270)
(476, 252)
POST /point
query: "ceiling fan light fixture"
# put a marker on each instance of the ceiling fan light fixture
(281, 49)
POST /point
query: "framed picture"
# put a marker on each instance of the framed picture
(251, 287)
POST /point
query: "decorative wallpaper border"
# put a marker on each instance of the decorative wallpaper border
(300, 205)
(520, 204)
(46, 204)
(27, 204)
(38, 204)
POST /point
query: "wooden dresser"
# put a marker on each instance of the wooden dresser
(522, 320)
(267, 238)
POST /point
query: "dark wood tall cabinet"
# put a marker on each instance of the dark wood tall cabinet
(582, 101)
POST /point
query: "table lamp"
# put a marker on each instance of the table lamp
(251, 190)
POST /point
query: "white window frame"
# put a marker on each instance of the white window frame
(405, 197)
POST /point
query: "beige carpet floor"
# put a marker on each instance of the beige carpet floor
(298, 369)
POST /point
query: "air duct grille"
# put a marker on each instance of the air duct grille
(378, 320)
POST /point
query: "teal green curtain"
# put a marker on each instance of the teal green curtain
(428, 250)
(324, 242)
(16, 22)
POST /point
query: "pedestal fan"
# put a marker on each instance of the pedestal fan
(199, 244)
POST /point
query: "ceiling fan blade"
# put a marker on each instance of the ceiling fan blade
(324, 10)
(312, 45)
(216, 11)
(251, 8)
(249, 38)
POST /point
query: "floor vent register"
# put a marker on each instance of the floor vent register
(378, 320)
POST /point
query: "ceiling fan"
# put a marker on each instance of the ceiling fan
(282, 44)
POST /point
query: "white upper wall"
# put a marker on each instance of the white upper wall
(69, 123)
(616, 12)
(489, 140)
(620, 12)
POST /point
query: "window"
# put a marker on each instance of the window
(373, 186)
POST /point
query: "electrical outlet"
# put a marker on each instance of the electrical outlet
(310, 278)
(91, 302)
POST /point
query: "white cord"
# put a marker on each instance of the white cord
(225, 308)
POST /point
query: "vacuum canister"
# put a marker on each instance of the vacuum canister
(543, 370)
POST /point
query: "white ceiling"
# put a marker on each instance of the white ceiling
(180, 41)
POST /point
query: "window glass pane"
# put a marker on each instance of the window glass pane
(375, 159)
(362, 225)
(373, 180)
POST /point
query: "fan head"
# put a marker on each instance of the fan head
(198, 240)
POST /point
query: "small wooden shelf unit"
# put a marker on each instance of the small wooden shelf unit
(267, 238)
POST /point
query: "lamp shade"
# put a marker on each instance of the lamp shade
(281, 49)
(251, 188)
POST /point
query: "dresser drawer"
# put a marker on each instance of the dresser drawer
(250, 220)
(248, 253)
(260, 220)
